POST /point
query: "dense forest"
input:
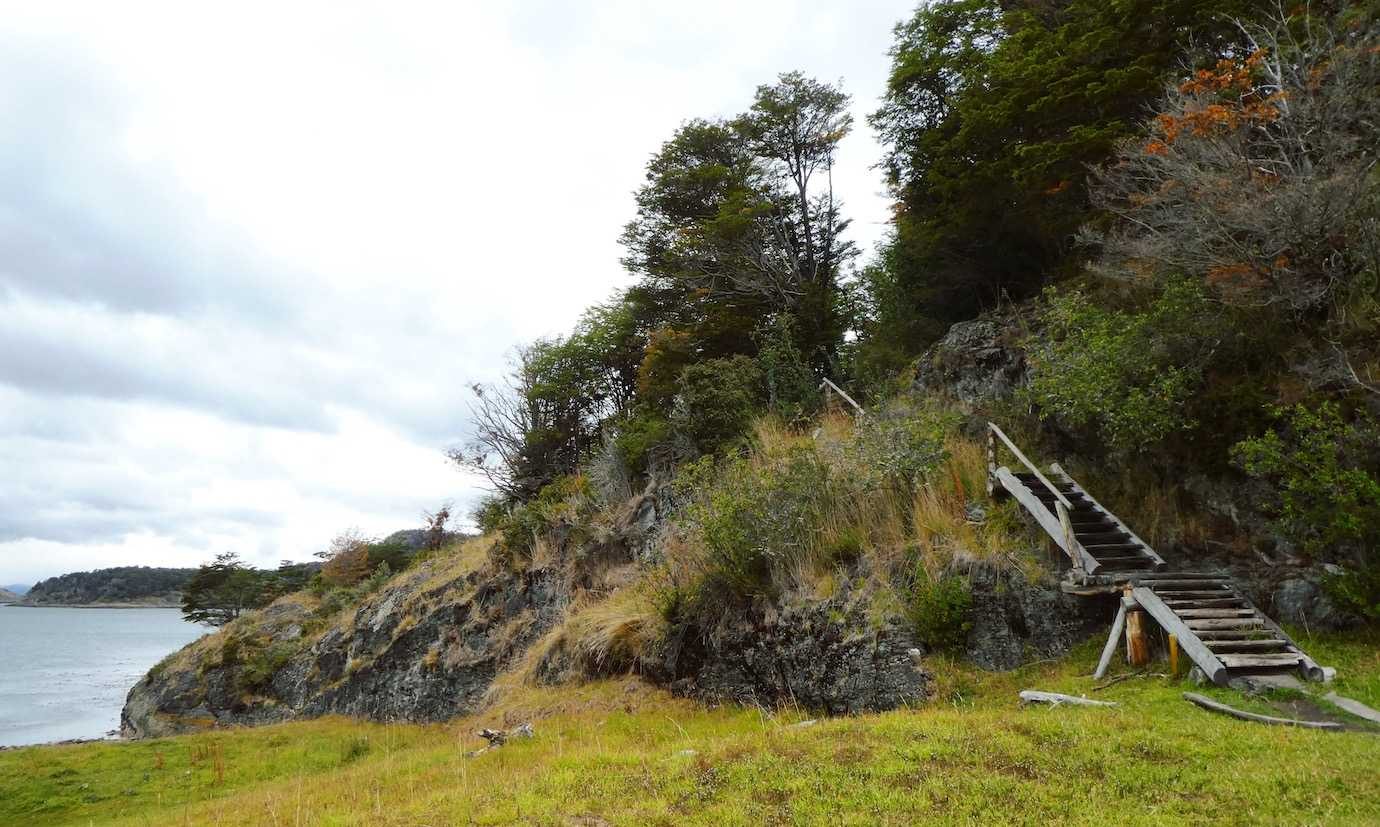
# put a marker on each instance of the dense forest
(1178, 197)
(125, 584)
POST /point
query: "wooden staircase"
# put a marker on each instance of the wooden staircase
(1213, 622)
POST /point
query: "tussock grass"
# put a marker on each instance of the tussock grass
(620, 752)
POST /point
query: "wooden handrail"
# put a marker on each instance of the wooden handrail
(1059, 497)
(828, 385)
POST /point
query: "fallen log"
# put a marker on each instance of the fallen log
(1214, 706)
(1033, 696)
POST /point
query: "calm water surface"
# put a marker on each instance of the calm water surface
(64, 673)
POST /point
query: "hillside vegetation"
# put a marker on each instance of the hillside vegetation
(1143, 235)
(133, 585)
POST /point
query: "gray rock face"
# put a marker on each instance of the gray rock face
(1302, 601)
(1016, 621)
(414, 651)
(824, 656)
(976, 361)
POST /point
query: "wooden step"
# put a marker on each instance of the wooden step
(1114, 548)
(1257, 661)
(1206, 603)
(1199, 594)
(1237, 623)
(1124, 561)
(1187, 613)
(1172, 586)
(1191, 575)
(1226, 646)
(1210, 635)
(1102, 538)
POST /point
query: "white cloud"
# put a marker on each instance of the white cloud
(250, 254)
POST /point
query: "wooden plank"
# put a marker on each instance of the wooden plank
(1209, 704)
(1117, 625)
(1075, 549)
(1355, 707)
(1046, 518)
(1222, 646)
(1169, 595)
(1236, 634)
(1188, 575)
(1188, 641)
(1205, 602)
(846, 397)
(1187, 613)
(1059, 471)
(1201, 585)
(1234, 623)
(1034, 696)
(1028, 464)
(1259, 660)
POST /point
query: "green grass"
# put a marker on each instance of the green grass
(624, 753)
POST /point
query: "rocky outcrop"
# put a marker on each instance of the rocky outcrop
(977, 361)
(417, 650)
(1016, 619)
(826, 656)
(425, 647)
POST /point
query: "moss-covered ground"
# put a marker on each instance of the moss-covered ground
(621, 752)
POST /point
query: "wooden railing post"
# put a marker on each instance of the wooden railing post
(991, 463)
(1070, 539)
(827, 386)
(1039, 475)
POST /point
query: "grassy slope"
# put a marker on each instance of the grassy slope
(624, 753)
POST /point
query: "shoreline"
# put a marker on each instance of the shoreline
(93, 605)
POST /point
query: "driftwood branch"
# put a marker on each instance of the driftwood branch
(1355, 707)
(1214, 706)
(1032, 696)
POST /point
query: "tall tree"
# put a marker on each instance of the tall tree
(796, 124)
(993, 112)
(220, 591)
(738, 221)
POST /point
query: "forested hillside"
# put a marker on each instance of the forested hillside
(133, 585)
(1169, 209)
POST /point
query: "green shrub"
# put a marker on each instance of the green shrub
(941, 610)
(1357, 588)
(898, 447)
(791, 386)
(1129, 375)
(847, 545)
(757, 520)
(261, 664)
(395, 555)
(1324, 473)
(563, 498)
(717, 401)
(490, 513)
(638, 437)
(354, 748)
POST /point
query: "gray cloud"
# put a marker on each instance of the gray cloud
(240, 299)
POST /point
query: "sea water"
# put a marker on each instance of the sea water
(64, 673)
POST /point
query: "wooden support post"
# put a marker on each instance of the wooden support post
(1174, 655)
(1137, 642)
(1070, 539)
(1117, 626)
(991, 463)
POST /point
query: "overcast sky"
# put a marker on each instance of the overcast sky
(251, 255)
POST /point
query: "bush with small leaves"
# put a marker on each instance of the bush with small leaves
(717, 401)
(1128, 375)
